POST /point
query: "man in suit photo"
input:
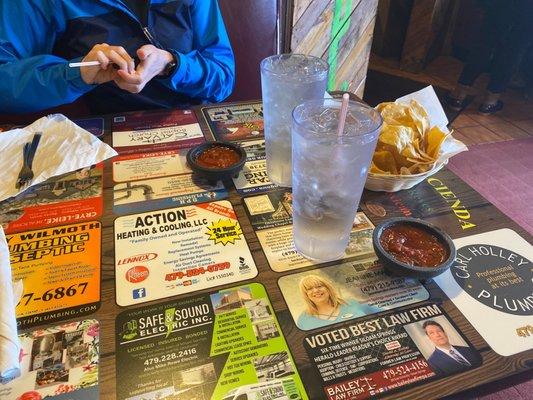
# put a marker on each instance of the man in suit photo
(447, 359)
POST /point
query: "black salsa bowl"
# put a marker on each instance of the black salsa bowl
(215, 174)
(398, 268)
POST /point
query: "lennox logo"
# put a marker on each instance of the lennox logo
(137, 274)
(138, 258)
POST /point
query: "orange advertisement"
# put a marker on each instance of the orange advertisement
(60, 271)
(65, 199)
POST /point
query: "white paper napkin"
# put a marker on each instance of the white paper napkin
(429, 100)
(64, 147)
(9, 342)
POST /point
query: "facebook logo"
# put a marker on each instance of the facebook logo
(139, 293)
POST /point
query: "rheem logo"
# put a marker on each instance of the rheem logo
(137, 274)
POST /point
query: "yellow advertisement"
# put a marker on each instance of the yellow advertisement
(60, 271)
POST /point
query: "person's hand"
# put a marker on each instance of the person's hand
(152, 62)
(109, 57)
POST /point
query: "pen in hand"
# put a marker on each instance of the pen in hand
(84, 64)
(96, 63)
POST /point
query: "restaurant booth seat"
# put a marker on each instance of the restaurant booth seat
(252, 26)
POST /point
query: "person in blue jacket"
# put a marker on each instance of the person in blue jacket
(325, 306)
(152, 54)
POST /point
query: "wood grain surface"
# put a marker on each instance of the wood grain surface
(422, 199)
(339, 32)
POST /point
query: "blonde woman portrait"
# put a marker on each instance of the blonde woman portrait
(324, 304)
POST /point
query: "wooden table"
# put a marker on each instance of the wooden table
(485, 215)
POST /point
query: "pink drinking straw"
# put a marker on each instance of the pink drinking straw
(344, 111)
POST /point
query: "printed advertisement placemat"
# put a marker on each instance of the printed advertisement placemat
(490, 282)
(180, 250)
(224, 345)
(58, 363)
(329, 295)
(363, 359)
(93, 125)
(168, 191)
(133, 167)
(64, 199)
(271, 217)
(253, 177)
(151, 131)
(60, 272)
(235, 122)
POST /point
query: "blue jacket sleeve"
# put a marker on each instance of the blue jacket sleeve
(207, 72)
(30, 78)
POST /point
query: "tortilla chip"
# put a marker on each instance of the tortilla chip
(405, 171)
(422, 154)
(384, 160)
(417, 161)
(381, 106)
(406, 144)
(420, 168)
(395, 114)
(419, 116)
(410, 151)
(376, 170)
(397, 136)
(435, 139)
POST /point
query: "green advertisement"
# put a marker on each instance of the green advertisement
(226, 345)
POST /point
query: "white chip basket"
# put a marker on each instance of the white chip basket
(437, 117)
(394, 183)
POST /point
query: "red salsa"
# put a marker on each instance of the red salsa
(414, 246)
(218, 157)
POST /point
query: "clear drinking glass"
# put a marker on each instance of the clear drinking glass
(328, 173)
(286, 81)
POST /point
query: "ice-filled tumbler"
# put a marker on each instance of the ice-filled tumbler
(329, 170)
